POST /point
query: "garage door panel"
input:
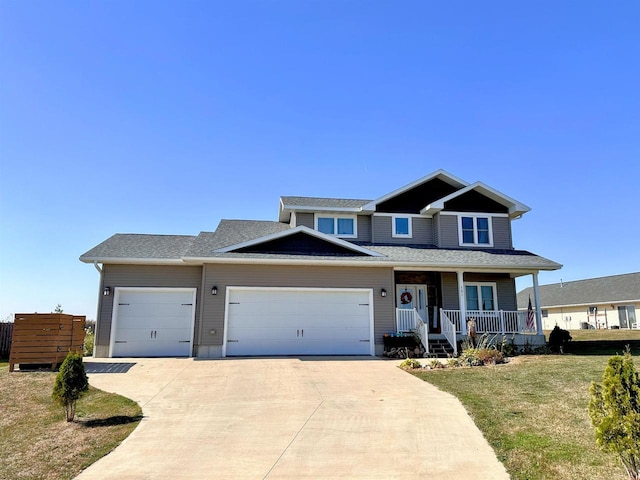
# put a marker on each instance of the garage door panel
(153, 322)
(298, 322)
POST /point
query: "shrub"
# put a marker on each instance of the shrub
(507, 347)
(469, 357)
(89, 338)
(489, 356)
(435, 363)
(71, 383)
(454, 362)
(410, 363)
(614, 409)
(558, 339)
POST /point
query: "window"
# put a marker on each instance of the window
(401, 227)
(481, 296)
(339, 226)
(475, 230)
(545, 313)
(627, 316)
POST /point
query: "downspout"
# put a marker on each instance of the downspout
(101, 288)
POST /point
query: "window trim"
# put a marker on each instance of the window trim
(335, 218)
(478, 286)
(393, 227)
(475, 217)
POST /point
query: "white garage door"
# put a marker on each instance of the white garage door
(153, 322)
(278, 321)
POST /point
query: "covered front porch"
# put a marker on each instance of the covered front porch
(441, 306)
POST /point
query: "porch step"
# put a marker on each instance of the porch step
(440, 348)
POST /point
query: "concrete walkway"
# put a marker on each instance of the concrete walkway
(290, 418)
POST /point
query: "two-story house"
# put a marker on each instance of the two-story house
(330, 277)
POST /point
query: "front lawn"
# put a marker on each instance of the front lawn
(35, 440)
(533, 412)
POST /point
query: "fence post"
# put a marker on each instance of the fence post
(502, 321)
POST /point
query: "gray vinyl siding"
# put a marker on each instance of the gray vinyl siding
(502, 233)
(505, 289)
(448, 231)
(421, 230)
(450, 291)
(364, 228)
(305, 219)
(293, 276)
(436, 230)
(141, 276)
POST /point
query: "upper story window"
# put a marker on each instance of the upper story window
(401, 226)
(475, 230)
(340, 226)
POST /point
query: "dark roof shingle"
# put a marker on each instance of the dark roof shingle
(591, 291)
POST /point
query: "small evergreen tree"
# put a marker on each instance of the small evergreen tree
(58, 309)
(71, 383)
(614, 409)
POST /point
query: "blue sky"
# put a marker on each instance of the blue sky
(164, 117)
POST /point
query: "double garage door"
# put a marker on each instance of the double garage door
(291, 321)
(153, 322)
(159, 322)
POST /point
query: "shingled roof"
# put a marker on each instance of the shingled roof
(591, 291)
(139, 246)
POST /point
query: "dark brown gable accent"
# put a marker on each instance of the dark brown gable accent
(474, 201)
(414, 200)
(300, 244)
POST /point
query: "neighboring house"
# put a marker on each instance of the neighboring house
(331, 276)
(604, 302)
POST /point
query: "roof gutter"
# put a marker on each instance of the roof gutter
(524, 269)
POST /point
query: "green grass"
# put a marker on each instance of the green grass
(35, 440)
(533, 412)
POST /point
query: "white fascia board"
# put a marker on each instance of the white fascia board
(446, 176)
(132, 261)
(515, 208)
(520, 270)
(306, 208)
(282, 212)
(301, 229)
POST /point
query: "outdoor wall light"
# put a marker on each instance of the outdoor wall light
(383, 293)
(107, 291)
(214, 290)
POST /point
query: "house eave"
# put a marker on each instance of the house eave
(520, 270)
(132, 261)
(591, 304)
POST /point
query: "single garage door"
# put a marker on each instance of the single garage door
(153, 322)
(281, 321)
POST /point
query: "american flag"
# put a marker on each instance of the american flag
(530, 317)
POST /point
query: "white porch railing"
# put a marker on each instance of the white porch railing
(409, 320)
(448, 329)
(501, 321)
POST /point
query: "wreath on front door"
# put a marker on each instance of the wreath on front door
(405, 298)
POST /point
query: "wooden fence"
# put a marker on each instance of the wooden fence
(6, 330)
(45, 338)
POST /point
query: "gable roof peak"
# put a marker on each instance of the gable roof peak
(439, 174)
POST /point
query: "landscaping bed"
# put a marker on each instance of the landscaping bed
(35, 440)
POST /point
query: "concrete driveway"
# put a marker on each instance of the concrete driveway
(290, 418)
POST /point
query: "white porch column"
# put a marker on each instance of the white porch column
(536, 299)
(462, 304)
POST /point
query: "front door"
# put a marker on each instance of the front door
(413, 296)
